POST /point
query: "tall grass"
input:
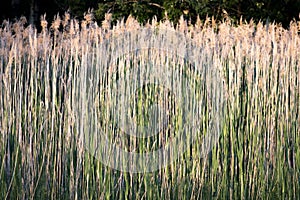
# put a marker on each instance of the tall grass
(43, 156)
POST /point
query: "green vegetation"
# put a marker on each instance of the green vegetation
(282, 11)
(42, 156)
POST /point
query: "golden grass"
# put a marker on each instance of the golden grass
(257, 155)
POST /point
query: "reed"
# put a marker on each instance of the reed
(42, 154)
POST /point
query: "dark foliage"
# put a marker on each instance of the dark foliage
(282, 11)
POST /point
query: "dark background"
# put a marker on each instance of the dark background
(281, 11)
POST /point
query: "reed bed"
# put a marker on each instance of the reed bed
(42, 154)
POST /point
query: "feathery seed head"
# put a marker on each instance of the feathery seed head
(106, 23)
(89, 16)
(44, 23)
(56, 23)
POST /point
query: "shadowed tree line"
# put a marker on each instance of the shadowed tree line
(282, 11)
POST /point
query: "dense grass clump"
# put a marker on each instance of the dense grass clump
(42, 155)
